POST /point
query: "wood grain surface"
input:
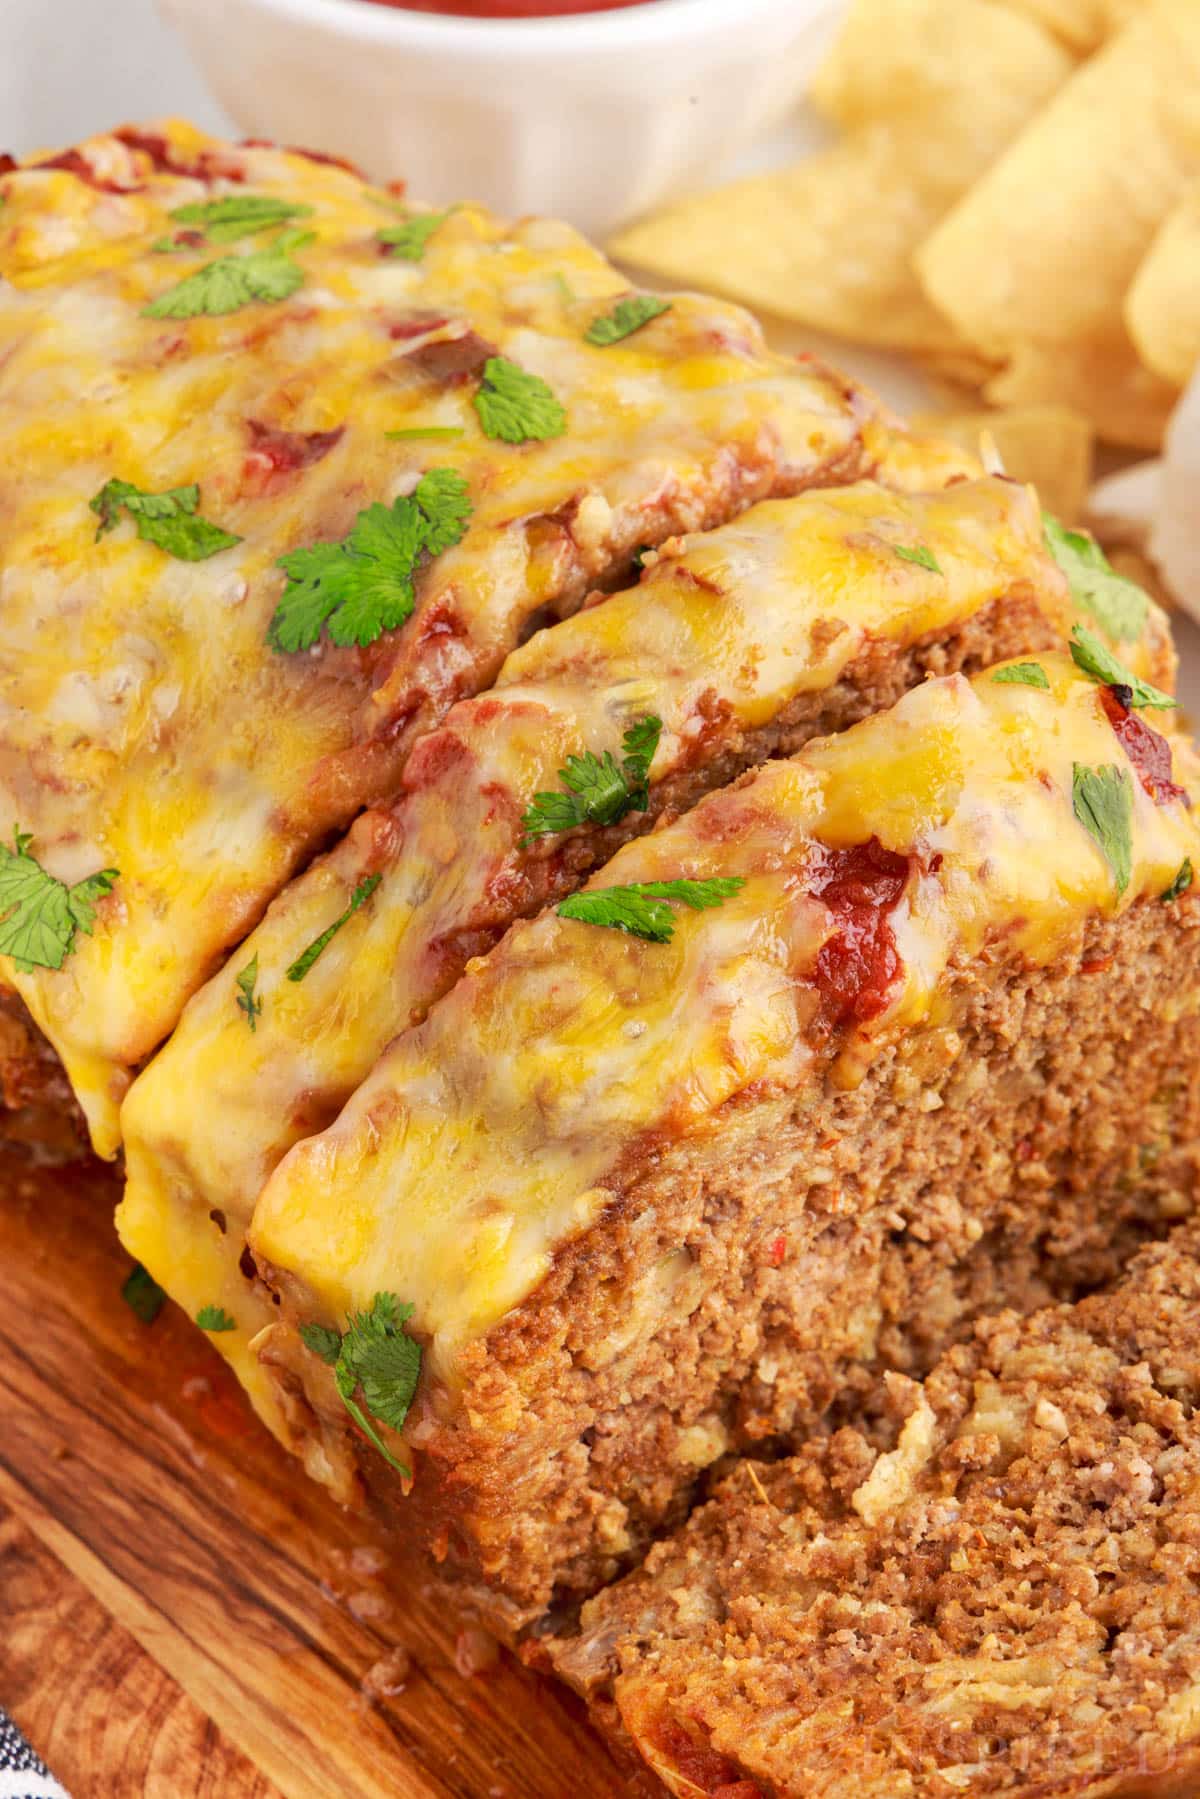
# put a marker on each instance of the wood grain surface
(182, 1613)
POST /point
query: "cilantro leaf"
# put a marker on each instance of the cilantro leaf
(215, 1318)
(233, 282)
(169, 520)
(359, 897)
(363, 585)
(1118, 604)
(142, 1294)
(407, 241)
(374, 1356)
(599, 790)
(41, 914)
(641, 908)
(1023, 674)
(1180, 884)
(918, 553)
(516, 406)
(1102, 800)
(323, 1341)
(247, 1002)
(1097, 660)
(626, 317)
(238, 215)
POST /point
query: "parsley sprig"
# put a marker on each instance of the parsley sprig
(142, 1294)
(319, 945)
(516, 406)
(41, 914)
(1098, 661)
(238, 215)
(1118, 604)
(407, 240)
(1102, 800)
(626, 317)
(600, 790)
(235, 281)
(642, 908)
(168, 520)
(374, 1356)
(363, 586)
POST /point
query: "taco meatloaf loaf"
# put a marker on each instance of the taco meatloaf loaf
(737, 644)
(895, 1030)
(288, 469)
(1005, 1601)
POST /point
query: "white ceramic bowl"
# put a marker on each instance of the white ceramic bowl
(592, 117)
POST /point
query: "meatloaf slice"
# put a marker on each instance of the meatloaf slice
(739, 644)
(1003, 1598)
(654, 1195)
(181, 709)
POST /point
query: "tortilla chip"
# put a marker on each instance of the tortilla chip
(934, 89)
(1082, 25)
(1049, 446)
(1101, 379)
(1045, 246)
(1163, 305)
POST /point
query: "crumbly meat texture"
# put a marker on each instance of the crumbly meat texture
(1003, 1600)
(1019, 1148)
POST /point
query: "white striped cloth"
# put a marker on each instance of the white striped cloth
(22, 1775)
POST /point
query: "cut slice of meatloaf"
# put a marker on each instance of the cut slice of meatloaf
(740, 644)
(179, 710)
(653, 1195)
(1005, 1600)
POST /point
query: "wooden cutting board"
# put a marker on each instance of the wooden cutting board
(182, 1612)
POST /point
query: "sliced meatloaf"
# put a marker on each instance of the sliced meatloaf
(928, 1044)
(217, 357)
(996, 1591)
(739, 644)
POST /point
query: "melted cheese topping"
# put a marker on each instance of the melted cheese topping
(144, 722)
(719, 636)
(489, 1136)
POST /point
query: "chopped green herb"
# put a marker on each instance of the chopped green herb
(640, 555)
(516, 406)
(215, 1318)
(168, 520)
(419, 433)
(247, 1002)
(642, 909)
(142, 1294)
(626, 317)
(1023, 674)
(41, 914)
(359, 897)
(1097, 660)
(1119, 605)
(322, 1341)
(363, 586)
(599, 789)
(408, 240)
(1180, 884)
(1102, 799)
(238, 215)
(234, 281)
(377, 1357)
(918, 553)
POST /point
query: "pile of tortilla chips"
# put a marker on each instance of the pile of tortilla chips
(1013, 197)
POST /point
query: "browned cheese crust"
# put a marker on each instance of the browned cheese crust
(1006, 1602)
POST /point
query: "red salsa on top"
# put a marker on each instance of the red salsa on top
(508, 9)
